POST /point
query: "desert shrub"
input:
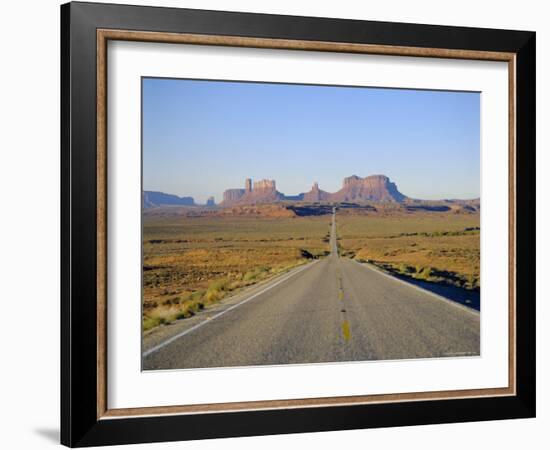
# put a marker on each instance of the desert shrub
(191, 308)
(196, 295)
(472, 282)
(150, 322)
(184, 314)
(212, 296)
(235, 285)
(425, 273)
(256, 274)
(405, 269)
(218, 285)
(216, 290)
(250, 275)
(159, 316)
(172, 301)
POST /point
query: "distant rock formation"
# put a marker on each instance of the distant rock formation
(263, 191)
(375, 188)
(264, 185)
(294, 198)
(153, 199)
(316, 194)
(232, 196)
(355, 189)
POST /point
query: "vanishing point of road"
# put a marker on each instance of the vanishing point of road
(329, 310)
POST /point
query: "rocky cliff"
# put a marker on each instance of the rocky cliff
(153, 199)
(375, 188)
(231, 196)
(316, 194)
(263, 191)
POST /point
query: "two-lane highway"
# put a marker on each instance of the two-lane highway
(334, 309)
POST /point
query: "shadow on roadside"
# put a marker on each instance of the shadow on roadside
(466, 297)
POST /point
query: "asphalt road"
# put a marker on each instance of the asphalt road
(333, 309)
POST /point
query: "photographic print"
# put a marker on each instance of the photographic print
(299, 224)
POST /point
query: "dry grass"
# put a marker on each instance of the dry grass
(435, 247)
(192, 262)
(356, 226)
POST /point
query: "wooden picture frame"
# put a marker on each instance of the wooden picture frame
(86, 418)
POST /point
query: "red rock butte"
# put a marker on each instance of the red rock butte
(374, 188)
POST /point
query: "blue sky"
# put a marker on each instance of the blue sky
(202, 137)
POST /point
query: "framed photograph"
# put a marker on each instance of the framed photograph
(277, 224)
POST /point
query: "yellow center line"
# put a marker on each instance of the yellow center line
(346, 331)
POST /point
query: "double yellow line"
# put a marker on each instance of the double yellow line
(346, 332)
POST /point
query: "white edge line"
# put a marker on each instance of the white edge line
(209, 320)
(418, 288)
